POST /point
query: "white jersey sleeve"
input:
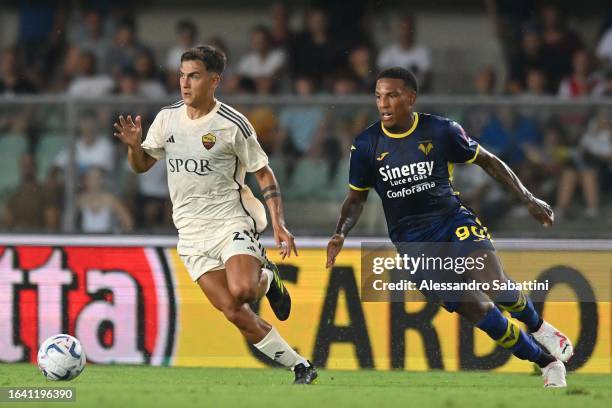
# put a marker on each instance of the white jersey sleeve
(154, 144)
(249, 151)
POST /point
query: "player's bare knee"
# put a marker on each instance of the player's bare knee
(475, 311)
(243, 293)
(248, 295)
(243, 277)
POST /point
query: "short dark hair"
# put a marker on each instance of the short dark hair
(213, 59)
(400, 73)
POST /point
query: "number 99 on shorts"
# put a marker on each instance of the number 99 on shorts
(473, 232)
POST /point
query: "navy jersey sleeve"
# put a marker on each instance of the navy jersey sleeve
(461, 148)
(361, 173)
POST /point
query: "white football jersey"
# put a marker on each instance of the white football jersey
(207, 159)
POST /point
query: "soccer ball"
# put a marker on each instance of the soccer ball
(61, 358)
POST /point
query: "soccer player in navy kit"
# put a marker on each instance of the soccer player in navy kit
(407, 158)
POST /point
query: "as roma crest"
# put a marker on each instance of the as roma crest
(208, 140)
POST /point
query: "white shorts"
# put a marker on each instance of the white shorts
(235, 239)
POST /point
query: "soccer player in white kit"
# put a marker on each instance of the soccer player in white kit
(208, 147)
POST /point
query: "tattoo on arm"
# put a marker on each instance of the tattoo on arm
(270, 191)
(271, 187)
(271, 194)
(345, 225)
(349, 215)
(348, 220)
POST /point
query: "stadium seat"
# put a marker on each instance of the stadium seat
(338, 186)
(12, 147)
(308, 180)
(280, 170)
(303, 218)
(49, 146)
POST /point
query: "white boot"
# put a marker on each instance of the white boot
(554, 375)
(555, 342)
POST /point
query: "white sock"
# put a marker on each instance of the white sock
(275, 347)
(270, 276)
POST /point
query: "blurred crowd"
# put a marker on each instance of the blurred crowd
(98, 51)
(545, 56)
(563, 155)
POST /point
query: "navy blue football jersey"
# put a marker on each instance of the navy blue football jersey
(412, 171)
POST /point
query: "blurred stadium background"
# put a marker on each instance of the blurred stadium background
(531, 80)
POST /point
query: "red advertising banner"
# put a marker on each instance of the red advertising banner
(136, 304)
(118, 301)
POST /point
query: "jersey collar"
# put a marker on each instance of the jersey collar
(206, 117)
(415, 122)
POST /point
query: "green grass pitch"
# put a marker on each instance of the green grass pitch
(143, 386)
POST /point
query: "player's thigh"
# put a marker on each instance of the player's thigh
(471, 304)
(243, 272)
(214, 286)
(243, 255)
(491, 269)
(472, 240)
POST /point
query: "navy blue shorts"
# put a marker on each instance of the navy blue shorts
(461, 227)
(458, 226)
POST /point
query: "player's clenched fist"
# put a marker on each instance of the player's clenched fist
(333, 249)
(541, 211)
(129, 131)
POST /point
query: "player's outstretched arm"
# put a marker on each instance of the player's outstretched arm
(500, 171)
(272, 196)
(349, 215)
(130, 132)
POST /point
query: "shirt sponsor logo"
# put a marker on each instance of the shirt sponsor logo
(201, 167)
(406, 173)
(407, 191)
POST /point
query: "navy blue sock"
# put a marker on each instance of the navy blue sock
(493, 323)
(521, 308)
(508, 335)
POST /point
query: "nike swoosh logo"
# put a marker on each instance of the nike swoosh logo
(382, 156)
